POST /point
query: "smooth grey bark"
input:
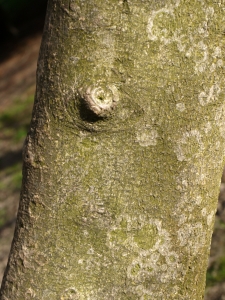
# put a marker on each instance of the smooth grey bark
(125, 152)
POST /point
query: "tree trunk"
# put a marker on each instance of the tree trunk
(125, 152)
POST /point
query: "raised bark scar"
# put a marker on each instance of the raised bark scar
(100, 100)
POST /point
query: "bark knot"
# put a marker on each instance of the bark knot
(101, 100)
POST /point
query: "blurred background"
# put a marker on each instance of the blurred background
(21, 26)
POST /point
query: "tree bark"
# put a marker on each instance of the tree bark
(123, 159)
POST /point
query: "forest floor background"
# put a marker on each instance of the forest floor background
(18, 60)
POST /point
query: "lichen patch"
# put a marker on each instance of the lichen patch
(147, 137)
(190, 139)
(209, 95)
(192, 236)
(180, 106)
(154, 258)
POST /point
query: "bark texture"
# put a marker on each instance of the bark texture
(125, 152)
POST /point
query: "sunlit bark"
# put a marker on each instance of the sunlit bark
(123, 160)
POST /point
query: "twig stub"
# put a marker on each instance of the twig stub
(99, 100)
